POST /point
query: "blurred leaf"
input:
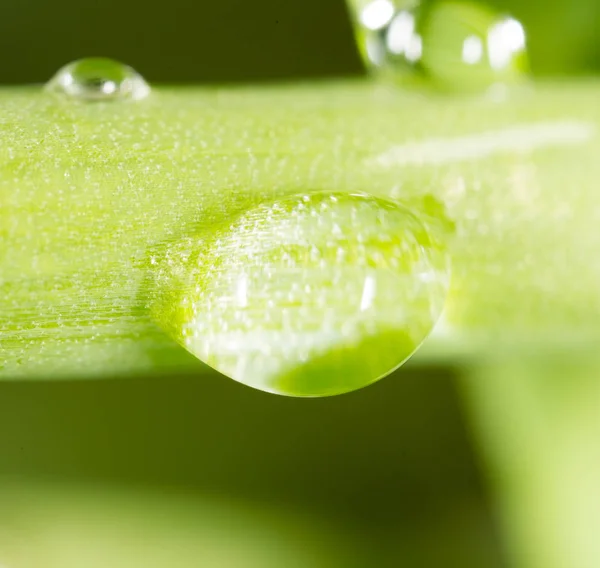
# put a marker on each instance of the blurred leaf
(55, 526)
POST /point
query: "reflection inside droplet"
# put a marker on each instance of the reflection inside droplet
(98, 79)
(377, 14)
(414, 49)
(505, 40)
(312, 295)
(401, 37)
(472, 50)
(400, 33)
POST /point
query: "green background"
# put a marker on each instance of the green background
(241, 40)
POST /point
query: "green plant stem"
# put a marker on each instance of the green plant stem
(87, 191)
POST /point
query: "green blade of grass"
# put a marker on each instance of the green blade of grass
(86, 191)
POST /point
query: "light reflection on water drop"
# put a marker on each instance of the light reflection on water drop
(506, 39)
(312, 295)
(98, 79)
(377, 14)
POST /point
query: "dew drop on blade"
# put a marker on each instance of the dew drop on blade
(98, 79)
(312, 295)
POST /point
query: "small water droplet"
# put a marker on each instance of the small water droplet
(98, 79)
(457, 46)
(268, 299)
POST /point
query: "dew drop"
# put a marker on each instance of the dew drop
(457, 46)
(469, 47)
(98, 79)
(387, 33)
(312, 295)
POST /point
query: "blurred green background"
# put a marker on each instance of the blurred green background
(240, 40)
(392, 465)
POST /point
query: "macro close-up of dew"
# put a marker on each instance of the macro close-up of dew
(300, 284)
(323, 293)
(311, 295)
(98, 79)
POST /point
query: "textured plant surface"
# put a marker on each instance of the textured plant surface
(88, 191)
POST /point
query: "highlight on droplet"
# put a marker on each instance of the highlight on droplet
(311, 295)
(98, 79)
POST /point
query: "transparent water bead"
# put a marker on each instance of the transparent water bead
(457, 45)
(99, 79)
(312, 295)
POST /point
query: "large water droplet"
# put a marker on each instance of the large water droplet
(457, 45)
(99, 79)
(312, 295)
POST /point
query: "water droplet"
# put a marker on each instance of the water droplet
(469, 48)
(456, 45)
(312, 295)
(99, 79)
